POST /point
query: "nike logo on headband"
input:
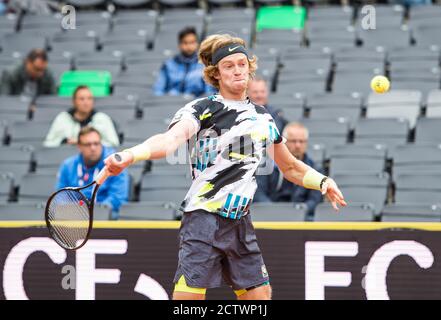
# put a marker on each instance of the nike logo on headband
(232, 49)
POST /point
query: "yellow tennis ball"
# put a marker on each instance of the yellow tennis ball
(380, 84)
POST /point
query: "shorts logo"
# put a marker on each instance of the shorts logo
(264, 271)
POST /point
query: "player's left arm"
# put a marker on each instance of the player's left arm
(301, 174)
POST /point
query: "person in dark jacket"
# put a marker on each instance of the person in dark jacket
(258, 93)
(182, 74)
(275, 188)
(29, 79)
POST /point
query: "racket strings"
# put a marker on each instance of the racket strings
(68, 215)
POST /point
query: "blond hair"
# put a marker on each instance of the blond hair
(207, 49)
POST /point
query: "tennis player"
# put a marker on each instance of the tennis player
(227, 136)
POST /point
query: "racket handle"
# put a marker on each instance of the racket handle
(104, 173)
(102, 176)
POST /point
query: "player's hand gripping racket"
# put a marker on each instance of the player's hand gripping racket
(69, 214)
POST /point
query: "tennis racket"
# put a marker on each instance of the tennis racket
(69, 214)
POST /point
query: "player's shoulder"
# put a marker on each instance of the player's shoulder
(201, 104)
(260, 109)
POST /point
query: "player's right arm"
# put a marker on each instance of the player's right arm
(155, 147)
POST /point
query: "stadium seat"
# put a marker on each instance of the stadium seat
(434, 104)
(22, 211)
(139, 86)
(111, 62)
(387, 15)
(427, 130)
(374, 151)
(390, 132)
(331, 105)
(306, 83)
(164, 113)
(175, 195)
(36, 188)
(74, 43)
(331, 36)
(17, 161)
(8, 23)
(353, 212)
(419, 159)
(411, 212)
(380, 180)
(49, 106)
(247, 15)
(417, 188)
(354, 81)
(424, 12)
(47, 25)
(101, 213)
(130, 3)
(405, 103)
(17, 154)
(279, 211)
(421, 80)
(377, 55)
(357, 159)
(49, 160)
(137, 131)
(22, 43)
(427, 34)
(6, 187)
(365, 194)
(148, 210)
(365, 188)
(329, 132)
(278, 38)
(126, 40)
(300, 63)
(160, 181)
(86, 3)
(14, 104)
(33, 135)
(385, 36)
(330, 14)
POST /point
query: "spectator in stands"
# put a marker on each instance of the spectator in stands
(182, 74)
(2, 7)
(67, 124)
(258, 93)
(79, 170)
(31, 78)
(274, 188)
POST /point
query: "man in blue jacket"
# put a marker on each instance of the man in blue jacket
(79, 170)
(275, 188)
(182, 74)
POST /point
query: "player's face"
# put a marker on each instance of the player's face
(188, 45)
(83, 101)
(297, 141)
(90, 147)
(233, 73)
(258, 92)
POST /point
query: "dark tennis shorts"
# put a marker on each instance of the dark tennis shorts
(213, 248)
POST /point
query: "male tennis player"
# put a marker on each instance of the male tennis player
(227, 135)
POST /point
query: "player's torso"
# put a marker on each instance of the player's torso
(225, 155)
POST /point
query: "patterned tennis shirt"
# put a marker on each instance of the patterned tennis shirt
(230, 143)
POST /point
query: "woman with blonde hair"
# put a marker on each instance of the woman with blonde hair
(227, 136)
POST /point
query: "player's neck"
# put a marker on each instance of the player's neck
(232, 95)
